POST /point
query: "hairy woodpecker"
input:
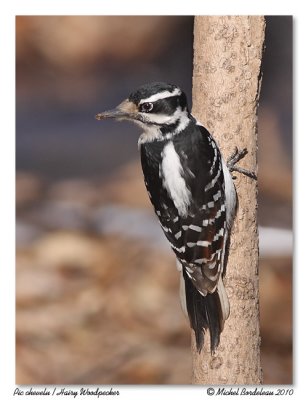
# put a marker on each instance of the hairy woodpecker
(192, 191)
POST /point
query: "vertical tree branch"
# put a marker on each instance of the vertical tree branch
(226, 86)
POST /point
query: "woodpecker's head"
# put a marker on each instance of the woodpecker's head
(156, 104)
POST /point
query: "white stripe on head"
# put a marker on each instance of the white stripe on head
(161, 95)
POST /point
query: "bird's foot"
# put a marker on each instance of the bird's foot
(235, 157)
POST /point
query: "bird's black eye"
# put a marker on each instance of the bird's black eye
(146, 107)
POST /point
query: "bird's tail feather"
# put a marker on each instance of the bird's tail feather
(206, 312)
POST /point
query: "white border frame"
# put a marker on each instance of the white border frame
(8, 11)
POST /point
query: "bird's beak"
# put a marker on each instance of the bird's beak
(125, 110)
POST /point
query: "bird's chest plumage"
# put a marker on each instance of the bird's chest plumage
(176, 171)
(168, 177)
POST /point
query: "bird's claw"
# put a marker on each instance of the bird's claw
(235, 157)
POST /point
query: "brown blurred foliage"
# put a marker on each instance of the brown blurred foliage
(87, 314)
(89, 39)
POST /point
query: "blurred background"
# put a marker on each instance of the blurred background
(96, 285)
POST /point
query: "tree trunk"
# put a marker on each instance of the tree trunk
(226, 85)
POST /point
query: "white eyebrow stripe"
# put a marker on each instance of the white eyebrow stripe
(161, 95)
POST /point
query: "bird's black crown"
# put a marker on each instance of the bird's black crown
(149, 89)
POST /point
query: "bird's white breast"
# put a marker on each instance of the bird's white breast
(173, 181)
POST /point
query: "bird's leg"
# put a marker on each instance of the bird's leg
(235, 157)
